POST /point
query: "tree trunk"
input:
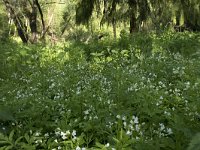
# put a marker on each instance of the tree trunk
(133, 11)
(114, 28)
(113, 21)
(132, 23)
(21, 28)
(33, 22)
(41, 14)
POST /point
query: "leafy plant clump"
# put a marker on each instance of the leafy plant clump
(55, 98)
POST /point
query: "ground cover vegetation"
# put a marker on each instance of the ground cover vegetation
(99, 75)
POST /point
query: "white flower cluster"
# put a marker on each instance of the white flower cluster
(163, 130)
(66, 134)
(132, 125)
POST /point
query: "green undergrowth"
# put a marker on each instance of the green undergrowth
(140, 92)
(144, 44)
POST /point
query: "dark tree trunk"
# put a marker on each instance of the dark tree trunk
(21, 28)
(133, 25)
(114, 28)
(112, 15)
(133, 11)
(32, 15)
(65, 26)
(33, 22)
(41, 14)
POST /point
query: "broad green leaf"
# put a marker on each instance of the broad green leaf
(9, 147)
(28, 147)
(99, 145)
(26, 136)
(10, 138)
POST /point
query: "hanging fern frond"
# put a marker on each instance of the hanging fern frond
(144, 10)
(84, 11)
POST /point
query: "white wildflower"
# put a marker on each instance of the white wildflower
(135, 120)
(107, 145)
(137, 127)
(37, 134)
(169, 131)
(46, 135)
(124, 118)
(78, 148)
(162, 126)
(56, 140)
(118, 116)
(128, 132)
(74, 133)
(86, 112)
(124, 123)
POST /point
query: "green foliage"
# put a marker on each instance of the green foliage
(137, 92)
(195, 143)
(185, 43)
(4, 26)
(143, 44)
(69, 19)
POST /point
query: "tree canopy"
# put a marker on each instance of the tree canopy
(34, 19)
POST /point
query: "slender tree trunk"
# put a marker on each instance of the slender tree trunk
(21, 28)
(50, 16)
(10, 23)
(41, 14)
(114, 28)
(105, 12)
(64, 28)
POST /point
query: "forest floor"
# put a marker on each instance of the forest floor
(135, 93)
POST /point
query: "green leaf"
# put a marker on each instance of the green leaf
(66, 143)
(3, 148)
(97, 54)
(9, 147)
(195, 143)
(26, 136)
(5, 114)
(4, 139)
(4, 142)
(28, 147)
(10, 138)
(19, 139)
(23, 52)
(116, 140)
(2, 136)
(99, 145)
